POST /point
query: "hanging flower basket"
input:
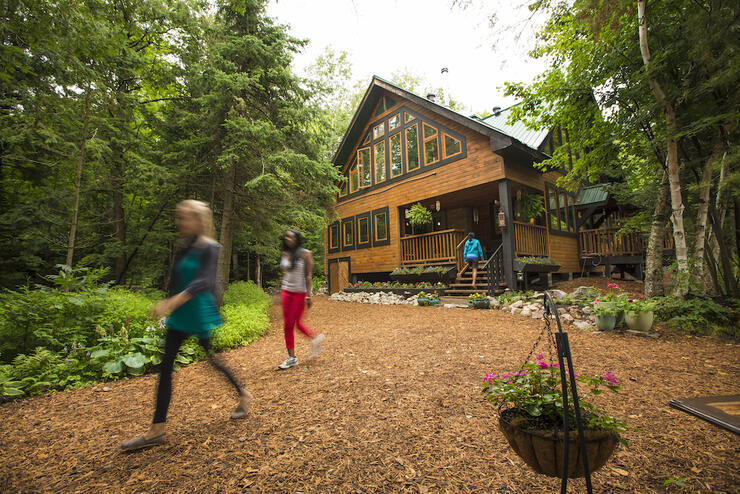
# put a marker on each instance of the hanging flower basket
(542, 450)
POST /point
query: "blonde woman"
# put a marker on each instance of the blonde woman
(193, 312)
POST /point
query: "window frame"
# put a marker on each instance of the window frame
(362, 184)
(444, 145)
(381, 142)
(406, 147)
(336, 225)
(400, 122)
(351, 221)
(425, 140)
(569, 213)
(378, 212)
(359, 244)
(398, 134)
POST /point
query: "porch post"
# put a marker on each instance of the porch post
(507, 233)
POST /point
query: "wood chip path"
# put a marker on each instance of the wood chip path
(392, 405)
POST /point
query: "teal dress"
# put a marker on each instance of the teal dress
(195, 273)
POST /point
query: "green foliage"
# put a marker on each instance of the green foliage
(536, 260)
(245, 314)
(419, 216)
(529, 206)
(699, 315)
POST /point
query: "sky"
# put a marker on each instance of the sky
(422, 36)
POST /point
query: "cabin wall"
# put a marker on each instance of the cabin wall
(480, 166)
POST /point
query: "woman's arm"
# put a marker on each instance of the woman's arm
(308, 263)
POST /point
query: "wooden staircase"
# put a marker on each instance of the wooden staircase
(490, 278)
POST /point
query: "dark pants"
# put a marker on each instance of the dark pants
(172, 342)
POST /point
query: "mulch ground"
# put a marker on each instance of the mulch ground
(600, 283)
(393, 405)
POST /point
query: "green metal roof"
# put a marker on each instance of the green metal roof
(517, 130)
(592, 194)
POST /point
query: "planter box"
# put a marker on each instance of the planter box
(480, 304)
(431, 277)
(407, 292)
(543, 450)
(521, 267)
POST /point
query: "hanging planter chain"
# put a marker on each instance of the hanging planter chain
(564, 355)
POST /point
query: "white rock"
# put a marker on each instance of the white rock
(517, 305)
(506, 308)
(566, 318)
(558, 294)
(562, 310)
(537, 315)
(526, 312)
(516, 310)
(587, 310)
(582, 324)
(581, 291)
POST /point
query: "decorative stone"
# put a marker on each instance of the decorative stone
(582, 324)
(516, 310)
(526, 312)
(575, 313)
(587, 310)
(566, 318)
(517, 305)
(562, 310)
(558, 294)
(537, 314)
(581, 291)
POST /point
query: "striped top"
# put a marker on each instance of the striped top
(294, 280)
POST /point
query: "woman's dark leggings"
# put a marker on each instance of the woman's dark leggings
(172, 342)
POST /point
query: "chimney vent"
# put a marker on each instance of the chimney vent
(497, 110)
(431, 97)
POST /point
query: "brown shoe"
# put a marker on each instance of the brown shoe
(243, 408)
(142, 442)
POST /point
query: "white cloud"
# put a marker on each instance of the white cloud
(385, 36)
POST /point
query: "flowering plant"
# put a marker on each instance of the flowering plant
(611, 296)
(536, 390)
(474, 297)
(605, 310)
(639, 304)
(430, 296)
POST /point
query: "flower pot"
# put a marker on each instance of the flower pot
(605, 323)
(427, 301)
(542, 450)
(639, 321)
(619, 316)
(483, 303)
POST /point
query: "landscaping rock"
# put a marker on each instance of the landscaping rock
(526, 312)
(562, 310)
(567, 318)
(582, 324)
(517, 305)
(587, 310)
(537, 314)
(558, 294)
(581, 291)
(516, 310)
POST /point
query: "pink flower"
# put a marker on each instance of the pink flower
(556, 365)
(490, 377)
(597, 301)
(540, 356)
(543, 365)
(609, 378)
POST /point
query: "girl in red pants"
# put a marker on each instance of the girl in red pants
(297, 266)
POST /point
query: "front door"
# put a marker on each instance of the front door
(338, 274)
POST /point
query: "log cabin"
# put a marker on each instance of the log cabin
(474, 175)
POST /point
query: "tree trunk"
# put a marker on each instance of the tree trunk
(249, 273)
(119, 222)
(258, 272)
(227, 228)
(78, 181)
(674, 176)
(654, 256)
(235, 265)
(699, 275)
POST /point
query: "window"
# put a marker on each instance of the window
(412, 148)
(367, 139)
(395, 155)
(394, 122)
(378, 130)
(452, 146)
(343, 189)
(560, 209)
(354, 181)
(348, 233)
(363, 230)
(381, 234)
(431, 145)
(334, 237)
(380, 162)
(408, 117)
(363, 162)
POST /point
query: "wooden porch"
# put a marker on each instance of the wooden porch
(608, 242)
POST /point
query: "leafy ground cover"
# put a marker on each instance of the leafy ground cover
(394, 404)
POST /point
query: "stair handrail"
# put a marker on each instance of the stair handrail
(494, 279)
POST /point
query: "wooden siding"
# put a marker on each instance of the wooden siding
(480, 166)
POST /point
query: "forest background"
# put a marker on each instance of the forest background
(112, 111)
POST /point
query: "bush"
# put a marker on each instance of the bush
(699, 315)
(245, 315)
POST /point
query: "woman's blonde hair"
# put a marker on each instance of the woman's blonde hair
(204, 215)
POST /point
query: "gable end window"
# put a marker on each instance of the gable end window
(363, 162)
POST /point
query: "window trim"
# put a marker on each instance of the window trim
(406, 148)
(369, 243)
(557, 192)
(400, 122)
(350, 220)
(375, 162)
(444, 144)
(361, 176)
(398, 134)
(336, 225)
(377, 212)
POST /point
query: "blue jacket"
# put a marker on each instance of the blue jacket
(473, 249)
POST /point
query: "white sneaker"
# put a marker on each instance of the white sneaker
(289, 362)
(317, 345)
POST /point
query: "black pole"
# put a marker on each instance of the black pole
(563, 347)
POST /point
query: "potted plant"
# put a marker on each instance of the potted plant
(532, 418)
(529, 207)
(639, 313)
(419, 217)
(535, 265)
(478, 301)
(427, 298)
(614, 300)
(605, 316)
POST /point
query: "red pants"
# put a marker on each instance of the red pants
(293, 305)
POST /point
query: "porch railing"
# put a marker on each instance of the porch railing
(530, 240)
(608, 242)
(433, 248)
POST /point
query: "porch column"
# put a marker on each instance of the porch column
(507, 233)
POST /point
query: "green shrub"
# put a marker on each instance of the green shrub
(699, 316)
(245, 315)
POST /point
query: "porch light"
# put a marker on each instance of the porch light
(437, 206)
(501, 218)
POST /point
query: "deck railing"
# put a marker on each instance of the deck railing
(530, 240)
(433, 248)
(608, 242)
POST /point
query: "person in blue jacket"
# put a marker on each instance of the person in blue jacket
(473, 254)
(193, 312)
